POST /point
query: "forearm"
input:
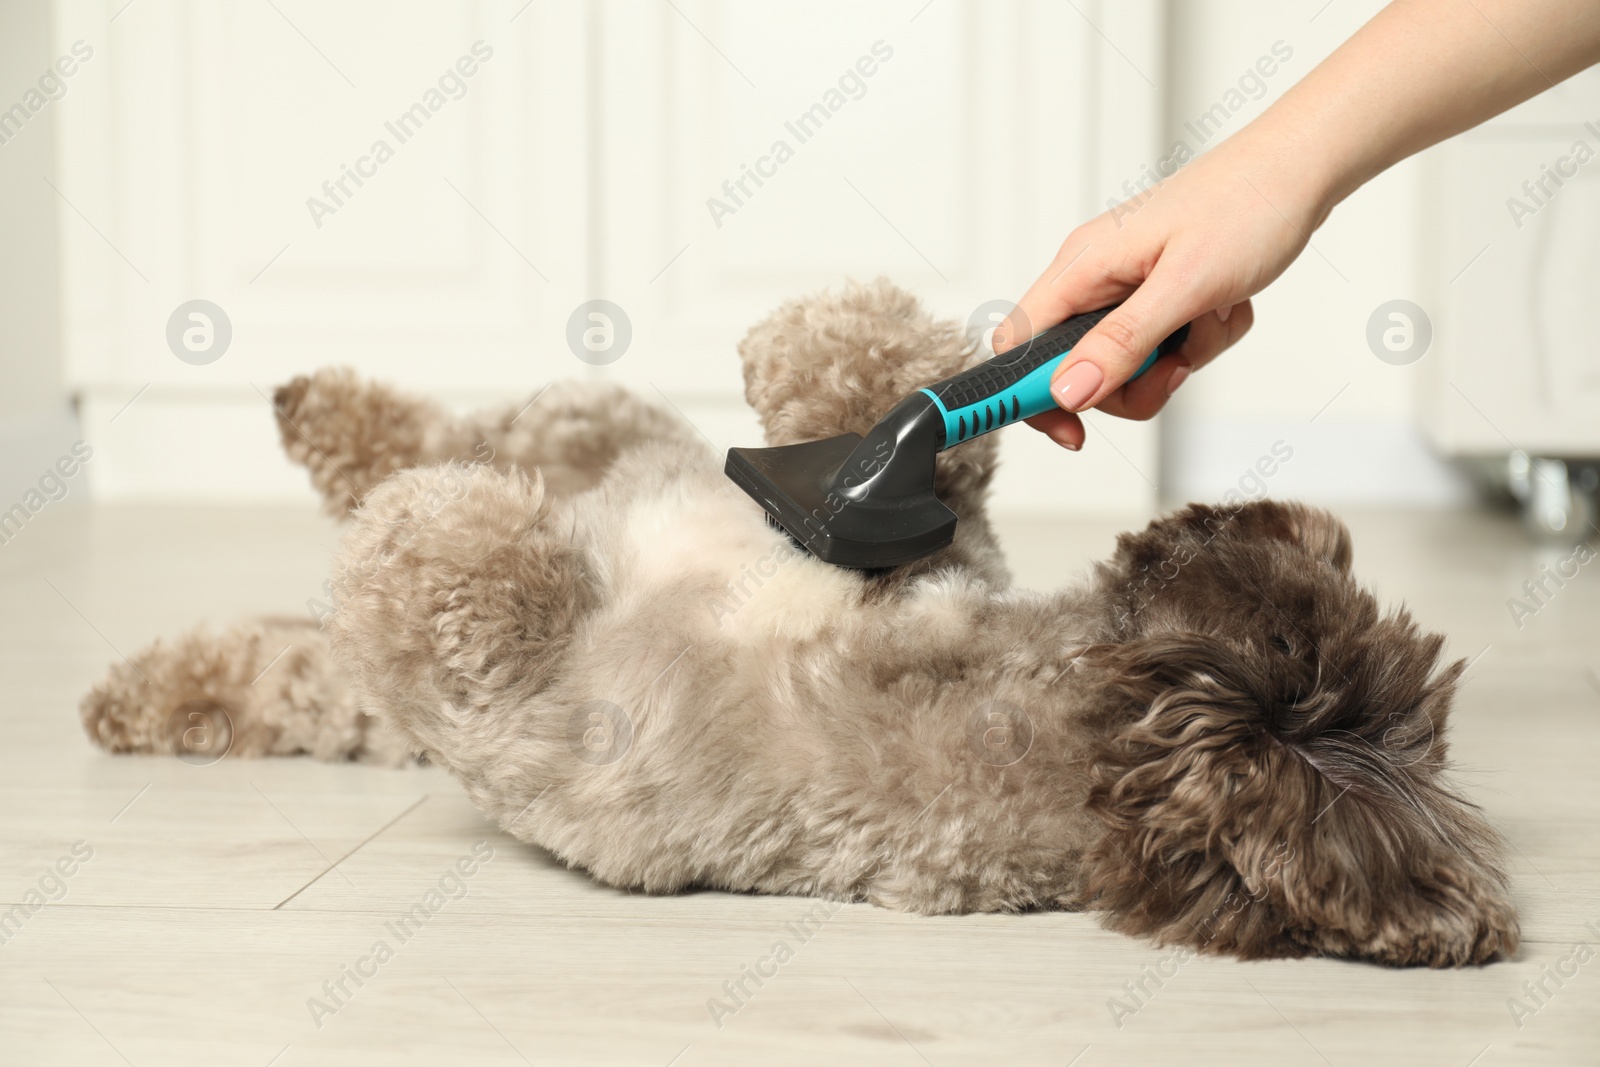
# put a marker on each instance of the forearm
(1227, 225)
(1419, 72)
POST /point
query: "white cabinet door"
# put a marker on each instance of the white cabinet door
(427, 192)
(752, 152)
(1517, 361)
(390, 186)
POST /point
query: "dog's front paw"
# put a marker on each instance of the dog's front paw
(1453, 919)
(1490, 933)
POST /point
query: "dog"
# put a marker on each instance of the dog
(1216, 739)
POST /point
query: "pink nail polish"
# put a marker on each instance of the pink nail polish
(1179, 376)
(1074, 386)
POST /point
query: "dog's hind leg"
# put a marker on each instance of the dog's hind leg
(263, 687)
(351, 434)
(836, 363)
(570, 432)
(457, 590)
(478, 618)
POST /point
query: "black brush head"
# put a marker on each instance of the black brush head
(868, 502)
(862, 502)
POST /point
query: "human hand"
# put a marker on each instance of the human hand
(1192, 250)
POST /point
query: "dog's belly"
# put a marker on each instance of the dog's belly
(709, 548)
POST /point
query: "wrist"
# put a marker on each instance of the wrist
(1304, 177)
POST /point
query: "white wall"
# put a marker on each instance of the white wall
(1307, 352)
(36, 425)
(202, 189)
(588, 146)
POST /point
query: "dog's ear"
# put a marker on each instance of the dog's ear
(1236, 824)
(837, 362)
(1317, 531)
(1183, 788)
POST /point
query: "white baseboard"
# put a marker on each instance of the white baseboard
(31, 446)
(175, 448)
(1331, 462)
(222, 447)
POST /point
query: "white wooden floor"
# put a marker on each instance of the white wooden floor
(219, 899)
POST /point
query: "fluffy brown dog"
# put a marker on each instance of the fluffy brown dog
(1218, 738)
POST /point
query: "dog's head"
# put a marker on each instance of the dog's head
(1271, 773)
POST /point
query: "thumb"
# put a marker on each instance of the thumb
(1121, 342)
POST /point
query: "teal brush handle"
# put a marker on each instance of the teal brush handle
(1016, 385)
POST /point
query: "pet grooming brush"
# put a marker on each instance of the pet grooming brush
(868, 502)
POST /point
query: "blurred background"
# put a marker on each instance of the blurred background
(204, 199)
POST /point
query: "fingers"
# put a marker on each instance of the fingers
(1095, 268)
(1062, 427)
(1213, 334)
(1146, 395)
(1049, 301)
(1040, 304)
(1110, 353)
(1209, 336)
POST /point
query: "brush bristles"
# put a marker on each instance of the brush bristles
(776, 525)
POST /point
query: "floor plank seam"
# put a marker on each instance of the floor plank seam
(360, 845)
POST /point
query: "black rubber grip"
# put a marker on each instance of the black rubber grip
(1007, 369)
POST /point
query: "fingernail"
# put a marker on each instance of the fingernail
(1179, 376)
(1224, 312)
(1075, 385)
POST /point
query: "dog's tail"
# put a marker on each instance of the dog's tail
(262, 687)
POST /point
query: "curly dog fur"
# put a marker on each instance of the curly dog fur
(265, 687)
(1218, 738)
